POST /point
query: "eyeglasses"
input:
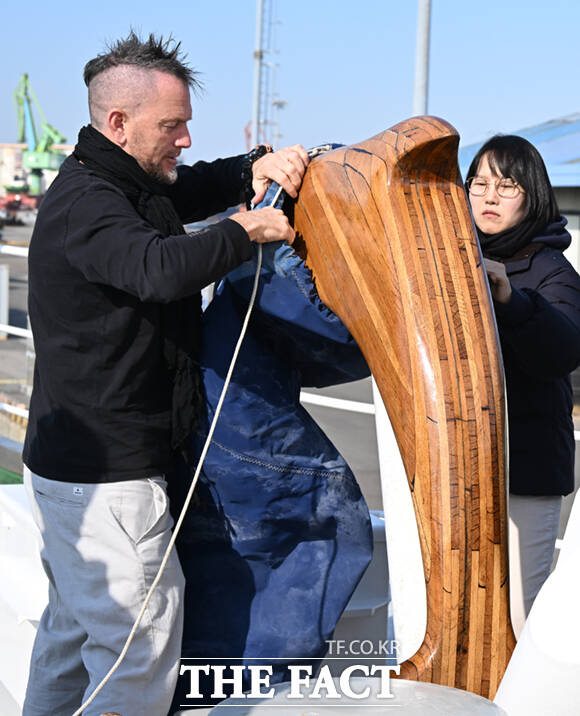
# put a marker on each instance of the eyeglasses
(506, 188)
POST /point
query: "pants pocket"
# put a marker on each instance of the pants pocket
(142, 509)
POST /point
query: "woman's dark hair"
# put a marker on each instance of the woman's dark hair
(514, 157)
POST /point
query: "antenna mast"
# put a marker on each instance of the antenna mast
(266, 98)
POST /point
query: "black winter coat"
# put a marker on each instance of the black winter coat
(540, 338)
(99, 275)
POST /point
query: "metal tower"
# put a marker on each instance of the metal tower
(265, 125)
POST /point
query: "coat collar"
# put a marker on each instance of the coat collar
(521, 260)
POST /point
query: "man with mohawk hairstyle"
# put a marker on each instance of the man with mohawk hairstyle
(114, 303)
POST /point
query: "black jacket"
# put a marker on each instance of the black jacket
(99, 274)
(540, 337)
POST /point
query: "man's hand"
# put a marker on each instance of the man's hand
(286, 167)
(264, 225)
(499, 283)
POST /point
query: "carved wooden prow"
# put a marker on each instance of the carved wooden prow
(389, 237)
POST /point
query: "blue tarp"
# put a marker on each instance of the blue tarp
(279, 534)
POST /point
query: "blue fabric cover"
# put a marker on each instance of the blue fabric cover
(279, 534)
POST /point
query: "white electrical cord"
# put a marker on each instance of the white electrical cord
(179, 522)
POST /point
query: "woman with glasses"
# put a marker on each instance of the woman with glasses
(536, 295)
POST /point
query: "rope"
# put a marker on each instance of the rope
(206, 446)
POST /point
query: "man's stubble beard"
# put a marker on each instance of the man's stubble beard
(156, 173)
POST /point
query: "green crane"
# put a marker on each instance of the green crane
(38, 156)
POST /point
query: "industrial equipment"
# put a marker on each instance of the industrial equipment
(39, 156)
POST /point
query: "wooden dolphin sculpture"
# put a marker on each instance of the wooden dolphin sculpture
(385, 227)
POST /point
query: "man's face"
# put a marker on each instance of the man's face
(156, 131)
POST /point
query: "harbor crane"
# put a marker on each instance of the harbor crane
(39, 155)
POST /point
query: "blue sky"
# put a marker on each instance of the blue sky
(345, 68)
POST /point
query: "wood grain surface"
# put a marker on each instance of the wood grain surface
(386, 229)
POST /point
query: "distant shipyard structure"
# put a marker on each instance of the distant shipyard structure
(264, 127)
(28, 165)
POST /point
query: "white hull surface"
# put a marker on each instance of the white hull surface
(23, 595)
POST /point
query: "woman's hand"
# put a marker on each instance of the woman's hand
(499, 283)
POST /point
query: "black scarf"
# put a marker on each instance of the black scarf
(180, 320)
(507, 243)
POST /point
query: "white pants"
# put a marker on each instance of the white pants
(102, 547)
(533, 529)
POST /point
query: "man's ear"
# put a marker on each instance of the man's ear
(116, 121)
